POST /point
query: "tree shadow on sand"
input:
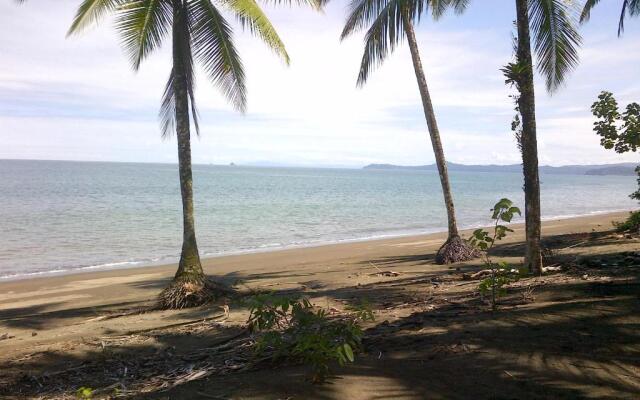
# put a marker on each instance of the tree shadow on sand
(433, 338)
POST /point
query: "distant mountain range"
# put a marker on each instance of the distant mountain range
(600, 169)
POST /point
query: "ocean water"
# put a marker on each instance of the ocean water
(68, 216)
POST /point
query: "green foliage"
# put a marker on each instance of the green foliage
(501, 273)
(515, 73)
(292, 328)
(632, 223)
(84, 393)
(618, 131)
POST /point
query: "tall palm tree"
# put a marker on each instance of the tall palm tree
(630, 7)
(199, 33)
(556, 42)
(387, 23)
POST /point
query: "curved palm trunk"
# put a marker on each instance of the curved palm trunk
(434, 133)
(190, 268)
(527, 104)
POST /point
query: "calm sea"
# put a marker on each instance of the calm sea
(66, 216)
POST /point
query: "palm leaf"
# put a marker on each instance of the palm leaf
(553, 23)
(251, 17)
(361, 14)
(168, 108)
(91, 11)
(439, 7)
(631, 7)
(214, 48)
(182, 53)
(316, 4)
(143, 24)
(381, 39)
(383, 19)
(586, 10)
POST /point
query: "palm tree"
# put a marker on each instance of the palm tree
(631, 7)
(199, 33)
(556, 41)
(388, 22)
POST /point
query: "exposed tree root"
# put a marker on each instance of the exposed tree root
(456, 249)
(185, 293)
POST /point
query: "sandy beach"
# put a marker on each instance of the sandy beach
(53, 322)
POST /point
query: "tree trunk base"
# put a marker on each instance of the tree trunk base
(456, 249)
(186, 293)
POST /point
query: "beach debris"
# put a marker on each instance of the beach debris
(6, 336)
(386, 273)
(34, 334)
(380, 272)
(477, 275)
(552, 268)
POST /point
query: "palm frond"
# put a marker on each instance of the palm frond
(251, 17)
(631, 7)
(553, 23)
(143, 25)
(317, 4)
(91, 11)
(381, 39)
(214, 48)
(440, 7)
(182, 55)
(385, 27)
(361, 14)
(168, 108)
(586, 10)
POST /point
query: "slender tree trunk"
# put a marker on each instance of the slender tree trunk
(190, 268)
(432, 125)
(527, 104)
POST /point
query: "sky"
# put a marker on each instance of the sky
(77, 98)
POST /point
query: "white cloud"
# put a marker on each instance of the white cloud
(77, 98)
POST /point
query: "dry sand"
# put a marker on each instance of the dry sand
(540, 349)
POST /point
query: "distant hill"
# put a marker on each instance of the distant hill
(600, 169)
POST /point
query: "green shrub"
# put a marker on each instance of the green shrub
(632, 224)
(293, 329)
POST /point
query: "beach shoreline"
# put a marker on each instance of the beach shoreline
(165, 261)
(224, 264)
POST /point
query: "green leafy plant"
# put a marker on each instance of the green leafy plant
(514, 73)
(619, 131)
(84, 393)
(292, 328)
(501, 273)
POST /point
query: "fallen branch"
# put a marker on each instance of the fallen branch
(477, 275)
